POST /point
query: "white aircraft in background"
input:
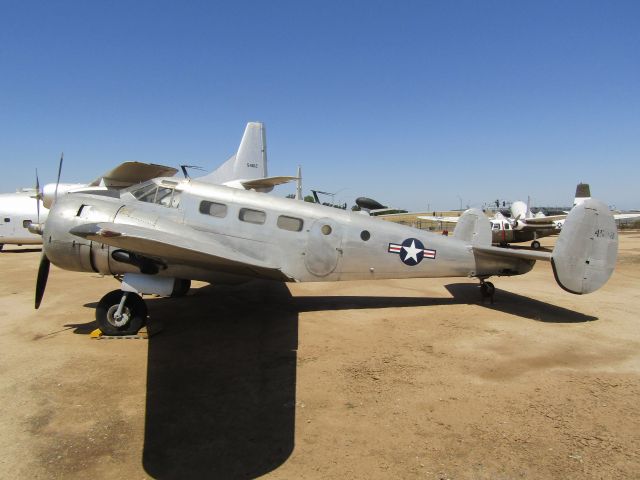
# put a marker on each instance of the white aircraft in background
(22, 213)
(523, 225)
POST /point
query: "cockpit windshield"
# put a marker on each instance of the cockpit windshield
(151, 192)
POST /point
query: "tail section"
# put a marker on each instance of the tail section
(249, 163)
(585, 254)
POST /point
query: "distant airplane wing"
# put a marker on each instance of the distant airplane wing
(439, 219)
(544, 220)
(179, 250)
(626, 216)
(130, 173)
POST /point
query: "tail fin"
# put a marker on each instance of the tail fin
(583, 192)
(249, 163)
(473, 227)
(585, 254)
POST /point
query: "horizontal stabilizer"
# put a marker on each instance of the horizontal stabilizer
(266, 183)
(585, 254)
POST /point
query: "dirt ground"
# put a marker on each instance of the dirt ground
(389, 379)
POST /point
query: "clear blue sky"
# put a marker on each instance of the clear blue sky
(415, 104)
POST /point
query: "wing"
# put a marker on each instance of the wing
(439, 219)
(180, 250)
(547, 221)
(625, 216)
(130, 173)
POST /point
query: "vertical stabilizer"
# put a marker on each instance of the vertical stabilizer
(249, 163)
(583, 192)
(585, 254)
(474, 228)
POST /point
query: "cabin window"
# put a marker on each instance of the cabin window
(7, 220)
(326, 230)
(26, 223)
(365, 235)
(214, 209)
(495, 226)
(252, 216)
(290, 223)
(507, 226)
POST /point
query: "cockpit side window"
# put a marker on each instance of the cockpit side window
(146, 193)
(152, 193)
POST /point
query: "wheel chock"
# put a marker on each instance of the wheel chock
(142, 334)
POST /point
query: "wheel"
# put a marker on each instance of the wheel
(490, 289)
(487, 290)
(134, 313)
(181, 287)
(535, 244)
(1, 246)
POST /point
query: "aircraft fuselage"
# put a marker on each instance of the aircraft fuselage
(305, 241)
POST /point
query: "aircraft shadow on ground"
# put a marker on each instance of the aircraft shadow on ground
(221, 375)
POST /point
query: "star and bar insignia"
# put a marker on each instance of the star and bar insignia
(411, 251)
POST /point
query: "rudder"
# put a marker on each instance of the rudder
(585, 254)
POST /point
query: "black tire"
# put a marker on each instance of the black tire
(490, 289)
(535, 244)
(181, 287)
(1, 246)
(134, 307)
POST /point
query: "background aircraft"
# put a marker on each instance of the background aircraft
(523, 225)
(159, 234)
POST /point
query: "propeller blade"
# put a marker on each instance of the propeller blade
(55, 196)
(38, 195)
(41, 282)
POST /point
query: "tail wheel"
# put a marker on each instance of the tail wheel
(487, 289)
(132, 318)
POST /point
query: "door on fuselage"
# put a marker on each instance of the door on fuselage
(324, 247)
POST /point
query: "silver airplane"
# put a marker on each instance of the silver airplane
(158, 235)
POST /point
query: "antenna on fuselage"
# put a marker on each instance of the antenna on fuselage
(184, 169)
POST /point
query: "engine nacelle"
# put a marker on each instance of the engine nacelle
(49, 191)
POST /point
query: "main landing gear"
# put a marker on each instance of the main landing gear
(487, 290)
(535, 244)
(124, 312)
(121, 313)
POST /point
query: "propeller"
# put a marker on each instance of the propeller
(55, 195)
(41, 281)
(38, 195)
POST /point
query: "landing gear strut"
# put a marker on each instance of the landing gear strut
(121, 313)
(487, 290)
